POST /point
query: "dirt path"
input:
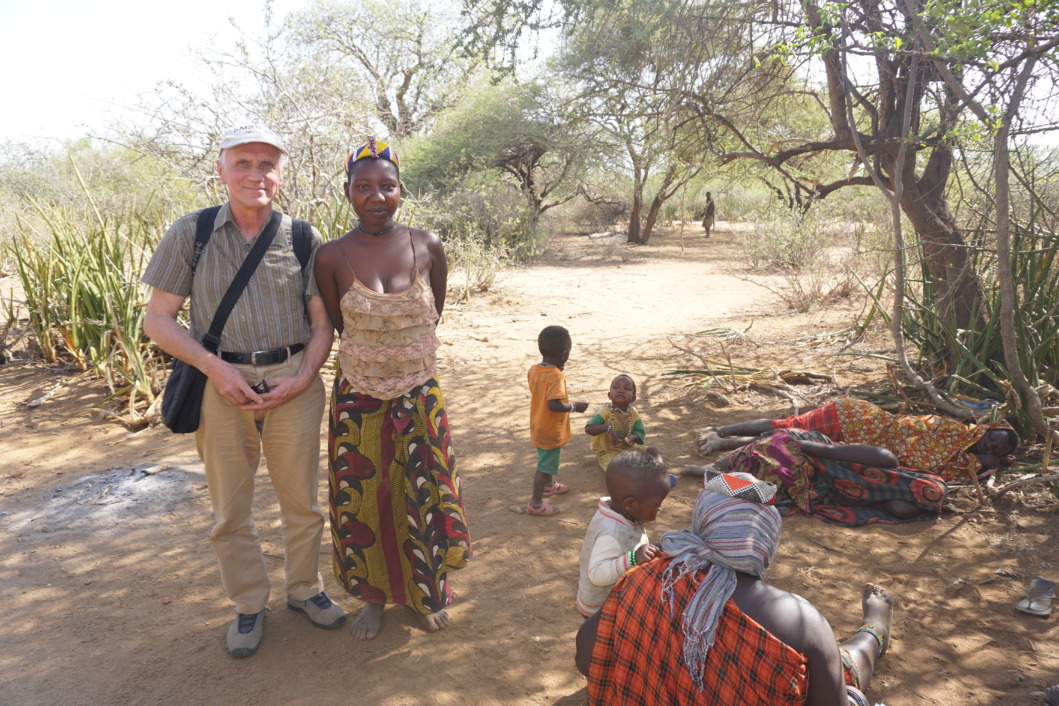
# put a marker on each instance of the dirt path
(109, 593)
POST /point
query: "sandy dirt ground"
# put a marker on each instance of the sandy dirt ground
(109, 593)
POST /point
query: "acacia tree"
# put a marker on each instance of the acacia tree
(404, 55)
(901, 82)
(521, 131)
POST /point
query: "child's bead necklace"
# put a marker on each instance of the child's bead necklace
(625, 428)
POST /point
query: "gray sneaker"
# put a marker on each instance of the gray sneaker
(321, 611)
(244, 634)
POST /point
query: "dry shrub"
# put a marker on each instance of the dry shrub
(817, 254)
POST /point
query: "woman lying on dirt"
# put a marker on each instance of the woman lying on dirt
(699, 624)
(847, 484)
(929, 443)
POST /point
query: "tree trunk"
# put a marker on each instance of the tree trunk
(652, 216)
(634, 218)
(958, 292)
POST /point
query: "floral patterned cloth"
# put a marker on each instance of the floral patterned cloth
(398, 525)
(926, 443)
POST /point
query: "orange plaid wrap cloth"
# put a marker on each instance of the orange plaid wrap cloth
(926, 443)
(638, 654)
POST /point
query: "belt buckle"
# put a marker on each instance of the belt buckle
(253, 357)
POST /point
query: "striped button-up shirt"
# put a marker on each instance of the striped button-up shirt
(269, 314)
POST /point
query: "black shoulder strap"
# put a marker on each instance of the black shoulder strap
(212, 340)
(302, 235)
(203, 231)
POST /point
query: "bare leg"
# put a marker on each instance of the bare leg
(754, 427)
(878, 609)
(540, 482)
(368, 621)
(723, 464)
(710, 441)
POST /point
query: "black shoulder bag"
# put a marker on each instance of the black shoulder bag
(182, 397)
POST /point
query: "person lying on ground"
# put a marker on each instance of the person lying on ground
(616, 539)
(847, 484)
(617, 426)
(700, 624)
(928, 443)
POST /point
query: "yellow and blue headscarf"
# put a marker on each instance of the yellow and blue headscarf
(373, 150)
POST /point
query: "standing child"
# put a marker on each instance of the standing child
(550, 415)
(617, 426)
(616, 540)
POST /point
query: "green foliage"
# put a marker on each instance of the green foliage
(972, 361)
(83, 296)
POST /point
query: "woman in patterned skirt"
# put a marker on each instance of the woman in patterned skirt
(397, 519)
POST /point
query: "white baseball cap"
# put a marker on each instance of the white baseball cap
(251, 133)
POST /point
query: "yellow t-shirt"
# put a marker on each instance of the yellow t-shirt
(548, 429)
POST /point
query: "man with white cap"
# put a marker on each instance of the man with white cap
(264, 391)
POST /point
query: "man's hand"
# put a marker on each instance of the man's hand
(230, 383)
(281, 391)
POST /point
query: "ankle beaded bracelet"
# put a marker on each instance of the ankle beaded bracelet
(874, 632)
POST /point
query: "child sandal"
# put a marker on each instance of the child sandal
(555, 488)
(542, 509)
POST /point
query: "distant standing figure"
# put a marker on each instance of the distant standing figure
(708, 215)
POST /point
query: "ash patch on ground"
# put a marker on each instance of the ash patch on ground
(111, 498)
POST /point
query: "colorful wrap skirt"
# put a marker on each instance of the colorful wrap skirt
(397, 520)
(841, 492)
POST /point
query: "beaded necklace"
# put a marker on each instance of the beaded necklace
(625, 427)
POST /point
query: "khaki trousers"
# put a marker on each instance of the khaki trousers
(230, 442)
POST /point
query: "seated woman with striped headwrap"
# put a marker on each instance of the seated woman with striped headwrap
(700, 624)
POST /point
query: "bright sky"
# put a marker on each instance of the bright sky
(69, 65)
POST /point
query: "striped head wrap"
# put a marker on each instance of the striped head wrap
(728, 534)
(373, 150)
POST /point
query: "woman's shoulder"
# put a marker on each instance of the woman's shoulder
(426, 238)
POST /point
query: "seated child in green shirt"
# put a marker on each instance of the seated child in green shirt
(617, 426)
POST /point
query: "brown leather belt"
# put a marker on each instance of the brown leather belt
(270, 357)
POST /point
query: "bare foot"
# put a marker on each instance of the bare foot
(708, 440)
(368, 621)
(435, 621)
(1051, 696)
(878, 608)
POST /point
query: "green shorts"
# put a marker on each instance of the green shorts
(548, 461)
